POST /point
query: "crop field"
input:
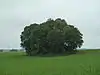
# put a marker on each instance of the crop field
(82, 63)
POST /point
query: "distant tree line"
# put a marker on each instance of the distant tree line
(52, 36)
(11, 50)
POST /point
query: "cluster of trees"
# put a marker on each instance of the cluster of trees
(1, 50)
(52, 36)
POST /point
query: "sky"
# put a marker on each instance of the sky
(16, 14)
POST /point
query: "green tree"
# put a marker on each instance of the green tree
(52, 36)
(73, 38)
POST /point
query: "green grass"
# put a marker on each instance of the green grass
(83, 63)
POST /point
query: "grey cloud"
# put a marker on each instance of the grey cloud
(15, 14)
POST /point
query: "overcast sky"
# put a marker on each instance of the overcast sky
(16, 14)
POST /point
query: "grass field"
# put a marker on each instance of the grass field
(83, 63)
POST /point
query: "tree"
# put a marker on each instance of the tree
(73, 38)
(52, 36)
(55, 41)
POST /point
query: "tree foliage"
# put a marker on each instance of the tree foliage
(52, 36)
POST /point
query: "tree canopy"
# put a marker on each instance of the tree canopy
(52, 36)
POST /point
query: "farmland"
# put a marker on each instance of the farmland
(82, 63)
